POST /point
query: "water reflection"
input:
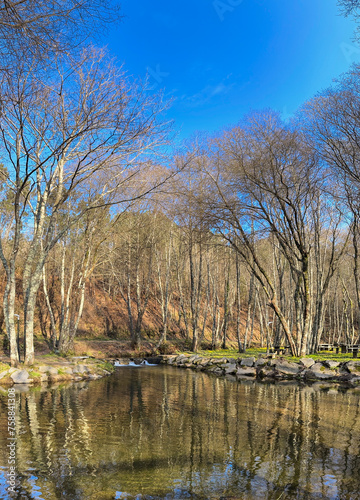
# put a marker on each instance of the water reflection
(164, 432)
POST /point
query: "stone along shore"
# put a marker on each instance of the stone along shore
(76, 369)
(305, 369)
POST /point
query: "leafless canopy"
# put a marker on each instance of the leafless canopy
(43, 28)
(351, 8)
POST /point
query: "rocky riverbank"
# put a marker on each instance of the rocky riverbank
(271, 368)
(74, 369)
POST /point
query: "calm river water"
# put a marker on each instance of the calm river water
(162, 432)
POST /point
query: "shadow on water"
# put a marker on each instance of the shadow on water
(163, 432)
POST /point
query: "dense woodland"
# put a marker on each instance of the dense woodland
(257, 224)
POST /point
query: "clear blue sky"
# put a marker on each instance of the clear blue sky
(222, 58)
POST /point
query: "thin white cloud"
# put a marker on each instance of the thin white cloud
(207, 94)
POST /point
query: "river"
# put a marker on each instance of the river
(162, 432)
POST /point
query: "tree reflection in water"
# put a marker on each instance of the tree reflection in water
(164, 431)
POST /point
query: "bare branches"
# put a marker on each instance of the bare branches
(40, 30)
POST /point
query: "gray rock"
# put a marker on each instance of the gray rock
(248, 362)
(218, 371)
(231, 369)
(353, 367)
(247, 371)
(232, 360)
(260, 362)
(52, 370)
(331, 364)
(204, 362)
(219, 361)
(307, 362)
(80, 369)
(267, 371)
(287, 368)
(319, 371)
(211, 368)
(20, 377)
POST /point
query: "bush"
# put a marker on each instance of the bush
(187, 345)
(207, 346)
(166, 348)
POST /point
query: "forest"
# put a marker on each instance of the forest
(256, 226)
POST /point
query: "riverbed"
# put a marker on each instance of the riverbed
(160, 432)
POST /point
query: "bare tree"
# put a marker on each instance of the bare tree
(333, 127)
(86, 131)
(265, 174)
(351, 8)
(32, 29)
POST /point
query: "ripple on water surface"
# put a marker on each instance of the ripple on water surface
(168, 433)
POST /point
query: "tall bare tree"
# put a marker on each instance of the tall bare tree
(86, 131)
(263, 174)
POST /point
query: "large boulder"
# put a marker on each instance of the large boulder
(219, 361)
(231, 369)
(246, 371)
(204, 361)
(260, 362)
(51, 370)
(20, 377)
(266, 371)
(182, 359)
(248, 361)
(319, 371)
(307, 362)
(329, 363)
(287, 368)
(217, 370)
(353, 367)
(232, 360)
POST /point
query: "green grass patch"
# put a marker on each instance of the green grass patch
(4, 367)
(231, 353)
(256, 352)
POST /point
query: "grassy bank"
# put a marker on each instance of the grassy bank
(256, 352)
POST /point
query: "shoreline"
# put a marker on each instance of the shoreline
(263, 368)
(77, 368)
